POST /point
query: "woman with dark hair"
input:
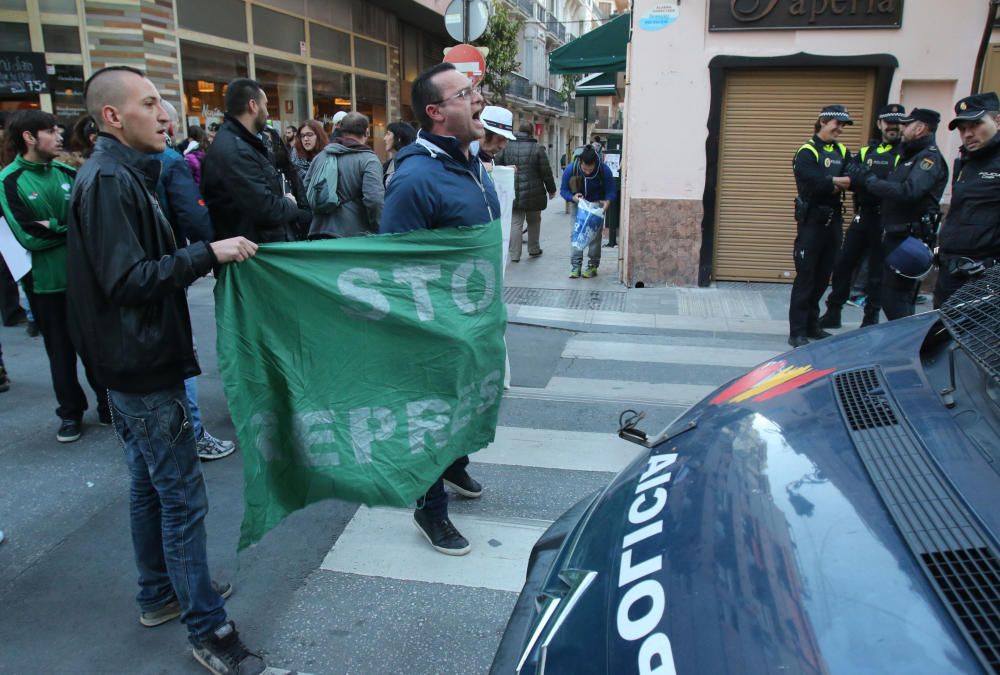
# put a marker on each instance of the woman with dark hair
(194, 153)
(398, 135)
(309, 142)
(290, 180)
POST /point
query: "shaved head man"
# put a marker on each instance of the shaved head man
(126, 282)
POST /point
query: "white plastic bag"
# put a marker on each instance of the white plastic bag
(588, 224)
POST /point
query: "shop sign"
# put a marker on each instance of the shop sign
(23, 73)
(736, 15)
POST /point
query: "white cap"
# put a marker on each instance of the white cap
(499, 121)
(338, 117)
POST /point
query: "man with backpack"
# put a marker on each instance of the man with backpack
(590, 179)
(344, 184)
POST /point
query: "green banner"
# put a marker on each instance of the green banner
(360, 368)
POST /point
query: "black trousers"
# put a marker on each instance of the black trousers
(51, 316)
(862, 241)
(899, 294)
(435, 502)
(815, 253)
(10, 302)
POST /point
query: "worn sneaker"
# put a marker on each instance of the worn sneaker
(922, 299)
(210, 447)
(441, 534)
(857, 301)
(464, 484)
(69, 430)
(535, 255)
(590, 273)
(172, 609)
(4, 380)
(223, 653)
(574, 273)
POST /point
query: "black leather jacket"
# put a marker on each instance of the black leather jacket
(972, 227)
(243, 190)
(126, 277)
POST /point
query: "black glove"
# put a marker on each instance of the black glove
(858, 173)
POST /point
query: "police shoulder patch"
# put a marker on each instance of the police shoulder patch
(926, 163)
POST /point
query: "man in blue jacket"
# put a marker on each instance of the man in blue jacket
(587, 177)
(439, 183)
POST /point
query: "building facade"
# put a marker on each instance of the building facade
(721, 95)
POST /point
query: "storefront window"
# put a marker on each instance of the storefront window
(207, 71)
(57, 6)
(225, 18)
(15, 37)
(331, 93)
(330, 45)
(369, 20)
(16, 5)
(278, 31)
(372, 104)
(61, 39)
(369, 55)
(66, 86)
(285, 86)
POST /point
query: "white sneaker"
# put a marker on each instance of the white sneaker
(210, 447)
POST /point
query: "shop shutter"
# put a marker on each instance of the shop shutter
(766, 116)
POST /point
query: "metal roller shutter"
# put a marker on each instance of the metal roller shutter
(766, 116)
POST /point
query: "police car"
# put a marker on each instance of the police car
(834, 510)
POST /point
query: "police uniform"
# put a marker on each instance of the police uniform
(819, 219)
(863, 240)
(970, 236)
(910, 205)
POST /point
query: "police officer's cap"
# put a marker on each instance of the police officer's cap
(925, 115)
(836, 112)
(972, 108)
(911, 259)
(892, 113)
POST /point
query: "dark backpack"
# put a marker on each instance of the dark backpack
(322, 195)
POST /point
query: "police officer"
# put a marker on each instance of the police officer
(819, 167)
(911, 198)
(970, 236)
(863, 241)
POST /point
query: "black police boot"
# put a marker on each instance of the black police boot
(870, 318)
(818, 334)
(831, 319)
(798, 341)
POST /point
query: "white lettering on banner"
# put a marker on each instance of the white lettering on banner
(420, 425)
(308, 437)
(314, 443)
(417, 278)
(361, 431)
(347, 283)
(645, 594)
(460, 285)
(656, 646)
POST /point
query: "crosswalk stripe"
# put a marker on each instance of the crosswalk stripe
(577, 348)
(530, 313)
(551, 449)
(631, 397)
(383, 542)
(667, 393)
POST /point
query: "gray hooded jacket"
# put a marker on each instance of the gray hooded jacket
(359, 186)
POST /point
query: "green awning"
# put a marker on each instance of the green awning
(602, 50)
(599, 84)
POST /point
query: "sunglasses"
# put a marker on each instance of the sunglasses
(461, 93)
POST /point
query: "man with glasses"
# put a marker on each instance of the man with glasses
(439, 183)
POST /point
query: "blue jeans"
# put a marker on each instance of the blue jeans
(167, 504)
(191, 390)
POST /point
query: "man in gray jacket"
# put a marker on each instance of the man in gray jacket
(531, 183)
(359, 183)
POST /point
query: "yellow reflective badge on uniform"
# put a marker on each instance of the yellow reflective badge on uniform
(827, 162)
(926, 163)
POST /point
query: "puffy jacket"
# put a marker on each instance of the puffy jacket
(126, 277)
(533, 182)
(243, 189)
(195, 158)
(436, 186)
(29, 193)
(359, 187)
(972, 227)
(598, 186)
(180, 199)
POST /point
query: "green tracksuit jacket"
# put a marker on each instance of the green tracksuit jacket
(29, 193)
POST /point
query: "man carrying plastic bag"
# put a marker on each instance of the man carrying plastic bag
(590, 184)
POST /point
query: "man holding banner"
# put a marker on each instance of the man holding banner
(439, 184)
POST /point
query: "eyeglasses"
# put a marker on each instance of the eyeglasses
(461, 93)
(307, 134)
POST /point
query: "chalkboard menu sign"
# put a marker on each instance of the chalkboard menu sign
(22, 73)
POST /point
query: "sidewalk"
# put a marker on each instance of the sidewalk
(539, 291)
